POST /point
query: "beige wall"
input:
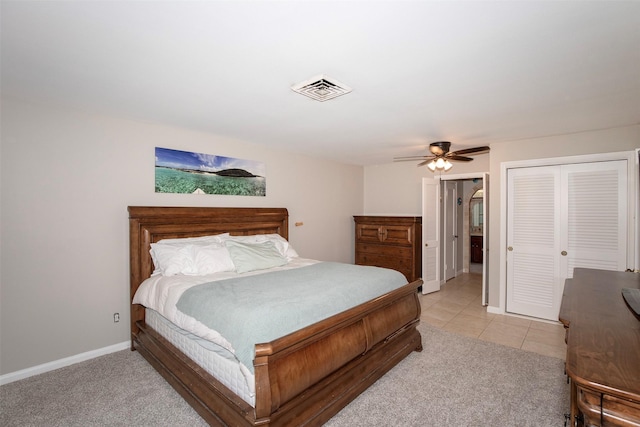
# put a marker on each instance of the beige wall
(395, 188)
(67, 178)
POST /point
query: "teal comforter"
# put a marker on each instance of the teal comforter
(261, 308)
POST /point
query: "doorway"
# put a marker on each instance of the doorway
(476, 230)
(442, 233)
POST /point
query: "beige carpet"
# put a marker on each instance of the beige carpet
(454, 381)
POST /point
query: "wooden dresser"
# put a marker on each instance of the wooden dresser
(391, 242)
(603, 348)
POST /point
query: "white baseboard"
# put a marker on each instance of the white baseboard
(57, 364)
(494, 310)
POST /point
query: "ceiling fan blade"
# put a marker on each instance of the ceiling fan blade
(440, 149)
(475, 150)
(456, 158)
(410, 158)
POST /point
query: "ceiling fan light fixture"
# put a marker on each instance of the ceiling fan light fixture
(439, 163)
(440, 156)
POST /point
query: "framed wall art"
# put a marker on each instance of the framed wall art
(197, 173)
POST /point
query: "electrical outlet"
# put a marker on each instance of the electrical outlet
(116, 317)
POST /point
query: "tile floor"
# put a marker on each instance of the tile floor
(457, 308)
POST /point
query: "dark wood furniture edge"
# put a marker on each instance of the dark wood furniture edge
(388, 219)
(603, 340)
(319, 401)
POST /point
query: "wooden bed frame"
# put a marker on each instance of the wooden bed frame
(303, 378)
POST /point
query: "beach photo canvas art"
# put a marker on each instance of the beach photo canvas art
(197, 173)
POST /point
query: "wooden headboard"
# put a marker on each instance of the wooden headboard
(149, 224)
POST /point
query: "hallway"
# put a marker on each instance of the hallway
(457, 308)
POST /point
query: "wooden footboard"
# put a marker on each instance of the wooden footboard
(302, 379)
(305, 378)
(308, 376)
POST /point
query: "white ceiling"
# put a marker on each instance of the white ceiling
(473, 73)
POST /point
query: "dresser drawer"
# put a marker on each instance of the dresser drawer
(613, 412)
(402, 265)
(398, 235)
(387, 234)
(384, 250)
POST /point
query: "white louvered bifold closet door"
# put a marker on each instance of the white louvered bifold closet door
(533, 241)
(596, 216)
(561, 217)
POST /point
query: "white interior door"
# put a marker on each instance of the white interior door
(430, 235)
(450, 233)
(485, 235)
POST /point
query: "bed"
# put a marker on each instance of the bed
(302, 378)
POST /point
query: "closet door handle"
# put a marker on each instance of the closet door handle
(510, 248)
(563, 253)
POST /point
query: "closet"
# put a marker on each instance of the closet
(560, 217)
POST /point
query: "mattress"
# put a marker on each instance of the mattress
(214, 359)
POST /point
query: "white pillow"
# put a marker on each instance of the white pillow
(282, 243)
(195, 259)
(254, 256)
(216, 238)
(283, 246)
(212, 259)
(198, 256)
(170, 260)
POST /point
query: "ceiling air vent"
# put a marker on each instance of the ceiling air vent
(321, 88)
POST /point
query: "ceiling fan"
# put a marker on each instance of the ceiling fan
(441, 157)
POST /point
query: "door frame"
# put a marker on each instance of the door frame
(450, 223)
(484, 176)
(632, 206)
(637, 181)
